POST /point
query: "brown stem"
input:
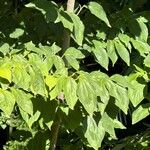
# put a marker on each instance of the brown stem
(54, 134)
(65, 45)
(66, 34)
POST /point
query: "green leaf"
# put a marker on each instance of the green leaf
(57, 90)
(124, 38)
(86, 94)
(58, 62)
(108, 125)
(78, 29)
(66, 20)
(136, 94)
(37, 84)
(142, 47)
(47, 8)
(51, 81)
(72, 55)
(31, 47)
(23, 100)
(20, 77)
(143, 30)
(123, 52)
(118, 124)
(97, 10)
(7, 102)
(121, 97)
(17, 33)
(147, 61)
(94, 133)
(33, 119)
(4, 48)
(140, 113)
(120, 80)
(111, 51)
(139, 29)
(5, 72)
(70, 88)
(100, 54)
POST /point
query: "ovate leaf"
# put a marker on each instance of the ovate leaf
(66, 20)
(120, 80)
(4, 48)
(123, 52)
(136, 94)
(17, 33)
(86, 94)
(37, 82)
(147, 61)
(140, 113)
(108, 125)
(72, 55)
(140, 46)
(23, 100)
(97, 10)
(7, 102)
(51, 81)
(57, 90)
(70, 88)
(122, 100)
(78, 29)
(20, 77)
(5, 72)
(100, 54)
(47, 8)
(111, 51)
(94, 133)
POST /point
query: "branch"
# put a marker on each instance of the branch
(65, 45)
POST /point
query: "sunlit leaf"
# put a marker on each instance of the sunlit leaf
(98, 11)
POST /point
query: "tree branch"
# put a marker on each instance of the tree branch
(65, 45)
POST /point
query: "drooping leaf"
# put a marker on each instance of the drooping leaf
(136, 94)
(72, 55)
(123, 52)
(86, 94)
(66, 20)
(111, 51)
(70, 89)
(37, 84)
(142, 47)
(124, 38)
(97, 10)
(20, 77)
(51, 81)
(139, 29)
(17, 33)
(94, 133)
(147, 61)
(5, 72)
(121, 97)
(47, 8)
(78, 29)
(144, 30)
(120, 80)
(33, 118)
(23, 100)
(140, 113)
(100, 54)
(7, 102)
(57, 90)
(108, 125)
(4, 48)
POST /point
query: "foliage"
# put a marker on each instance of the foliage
(41, 83)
